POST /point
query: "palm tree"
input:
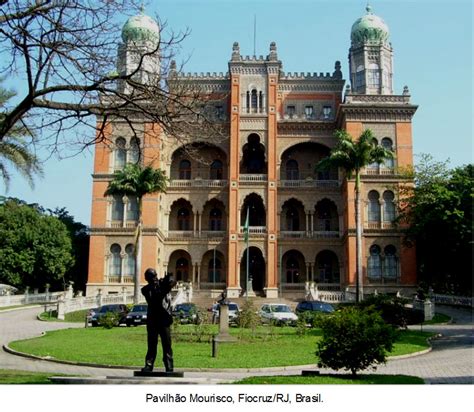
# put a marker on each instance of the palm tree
(13, 148)
(137, 181)
(352, 156)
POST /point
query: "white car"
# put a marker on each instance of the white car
(279, 313)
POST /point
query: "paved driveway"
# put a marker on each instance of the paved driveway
(450, 361)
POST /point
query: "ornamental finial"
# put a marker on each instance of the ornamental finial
(368, 8)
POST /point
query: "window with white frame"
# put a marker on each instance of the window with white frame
(373, 214)
(389, 206)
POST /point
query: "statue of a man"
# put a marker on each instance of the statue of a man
(159, 318)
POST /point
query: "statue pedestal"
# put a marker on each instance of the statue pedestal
(159, 374)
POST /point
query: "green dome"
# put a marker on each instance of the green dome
(141, 28)
(369, 28)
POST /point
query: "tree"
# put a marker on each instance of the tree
(79, 235)
(137, 181)
(438, 212)
(352, 156)
(13, 147)
(354, 339)
(35, 249)
(65, 53)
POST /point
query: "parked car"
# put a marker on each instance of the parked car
(234, 312)
(314, 306)
(278, 313)
(186, 313)
(120, 309)
(137, 316)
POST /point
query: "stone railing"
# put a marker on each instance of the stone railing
(331, 296)
(289, 234)
(381, 170)
(188, 234)
(254, 230)
(246, 179)
(379, 225)
(30, 298)
(452, 300)
(178, 183)
(309, 183)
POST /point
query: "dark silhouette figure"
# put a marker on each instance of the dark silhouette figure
(159, 318)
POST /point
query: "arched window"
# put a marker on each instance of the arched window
(327, 265)
(390, 262)
(292, 270)
(217, 170)
(214, 271)
(254, 100)
(185, 170)
(129, 260)
(389, 206)
(115, 262)
(184, 219)
(215, 219)
(360, 76)
(132, 209)
(120, 154)
(374, 265)
(292, 219)
(373, 75)
(117, 208)
(374, 167)
(387, 144)
(182, 269)
(134, 151)
(374, 207)
(292, 170)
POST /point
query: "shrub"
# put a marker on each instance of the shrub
(109, 320)
(391, 308)
(248, 317)
(305, 319)
(354, 339)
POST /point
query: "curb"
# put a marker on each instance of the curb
(7, 349)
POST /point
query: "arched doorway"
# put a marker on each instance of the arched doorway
(327, 267)
(257, 270)
(257, 216)
(294, 267)
(180, 265)
(253, 159)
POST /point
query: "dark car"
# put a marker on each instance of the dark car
(137, 316)
(120, 309)
(186, 313)
(314, 306)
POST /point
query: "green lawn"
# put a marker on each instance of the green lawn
(24, 377)
(333, 380)
(127, 347)
(78, 316)
(438, 318)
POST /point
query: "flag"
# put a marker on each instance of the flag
(246, 227)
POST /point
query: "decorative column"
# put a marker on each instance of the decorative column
(124, 215)
(382, 204)
(195, 223)
(199, 223)
(122, 266)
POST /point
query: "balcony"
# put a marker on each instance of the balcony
(287, 234)
(379, 171)
(252, 179)
(118, 224)
(190, 234)
(254, 231)
(206, 183)
(309, 183)
(379, 225)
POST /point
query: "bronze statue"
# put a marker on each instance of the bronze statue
(159, 318)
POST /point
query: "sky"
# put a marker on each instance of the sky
(432, 42)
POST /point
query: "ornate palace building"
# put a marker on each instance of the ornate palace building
(301, 222)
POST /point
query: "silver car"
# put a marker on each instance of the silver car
(278, 313)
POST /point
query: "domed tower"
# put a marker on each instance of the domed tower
(140, 35)
(370, 56)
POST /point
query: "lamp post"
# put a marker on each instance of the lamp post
(214, 270)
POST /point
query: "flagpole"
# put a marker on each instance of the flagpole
(248, 253)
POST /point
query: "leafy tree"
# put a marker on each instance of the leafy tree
(438, 211)
(65, 53)
(79, 235)
(354, 339)
(137, 181)
(13, 147)
(34, 249)
(352, 156)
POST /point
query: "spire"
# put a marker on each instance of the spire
(142, 8)
(368, 8)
